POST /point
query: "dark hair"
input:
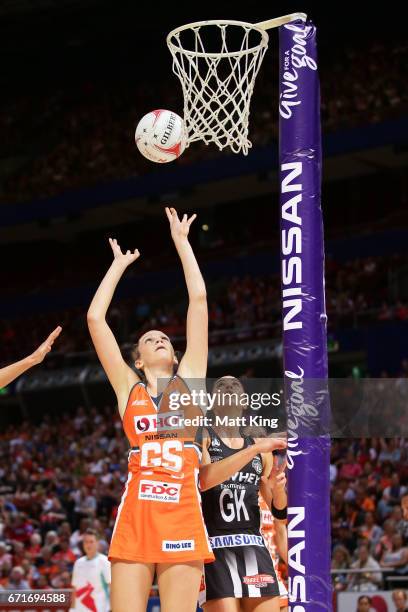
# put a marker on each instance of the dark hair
(135, 354)
(91, 532)
(364, 597)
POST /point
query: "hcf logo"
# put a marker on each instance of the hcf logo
(147, 423)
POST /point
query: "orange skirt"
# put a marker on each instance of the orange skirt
(159, 520)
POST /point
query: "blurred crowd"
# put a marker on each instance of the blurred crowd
(242, 308)
(369, 513)
(67, 139)
(57, 479)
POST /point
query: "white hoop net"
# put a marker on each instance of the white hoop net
(217, 63)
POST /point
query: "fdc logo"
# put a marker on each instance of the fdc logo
(159, 491)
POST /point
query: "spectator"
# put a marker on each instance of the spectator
(364, 604)
(396, 558)
(19, 529)
(46, 565)
(400, 599)
(340, 560)
(370, 531)
(385, 543)
(65, 553)
(389, 451)
(367, 581)
(351, 469)
(51, 540)
(35, 544)
(17, 581)
(391, 496)
(5, 557)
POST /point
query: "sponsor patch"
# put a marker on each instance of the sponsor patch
(155, 490)
(236, 539)
(257, 465)
(145, 423)
(259, 580)
(177, 545)
(266, 517)
(148, 423)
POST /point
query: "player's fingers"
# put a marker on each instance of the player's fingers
(168, 213)
(54, 334)
(191, 219)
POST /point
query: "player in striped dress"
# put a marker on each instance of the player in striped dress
(243, 576)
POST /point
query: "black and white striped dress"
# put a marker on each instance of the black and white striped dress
(243, 566)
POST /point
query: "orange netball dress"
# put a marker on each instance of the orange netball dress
(159, 518)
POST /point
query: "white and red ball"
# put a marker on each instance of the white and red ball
(161, 136)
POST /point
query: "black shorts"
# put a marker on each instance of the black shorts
(239, 571)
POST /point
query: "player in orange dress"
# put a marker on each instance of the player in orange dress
(159, 526)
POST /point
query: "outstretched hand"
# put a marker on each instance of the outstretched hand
(124, 258)
(179, 229)
(45, 347)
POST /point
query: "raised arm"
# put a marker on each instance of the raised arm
(213, 474)
(194, 361)
(12, 371)
(120, 375)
